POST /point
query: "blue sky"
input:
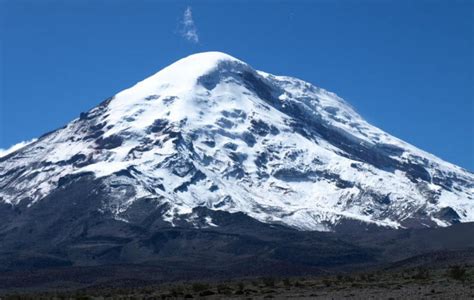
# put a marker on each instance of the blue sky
(406, 66)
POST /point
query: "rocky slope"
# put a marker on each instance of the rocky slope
(209, 131)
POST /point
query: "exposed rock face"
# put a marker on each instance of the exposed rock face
(211, 132)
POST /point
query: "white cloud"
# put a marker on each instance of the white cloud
(5, 152)
(189, 30)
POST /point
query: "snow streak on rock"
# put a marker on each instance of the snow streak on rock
(211, 131)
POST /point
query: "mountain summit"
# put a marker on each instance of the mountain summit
(209, 133)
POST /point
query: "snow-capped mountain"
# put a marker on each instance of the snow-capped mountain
(211, 131)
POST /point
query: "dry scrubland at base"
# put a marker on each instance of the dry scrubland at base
(456, 282)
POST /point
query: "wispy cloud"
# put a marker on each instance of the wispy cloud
(188, 28)
(5, 152)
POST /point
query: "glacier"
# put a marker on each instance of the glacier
(211, 131)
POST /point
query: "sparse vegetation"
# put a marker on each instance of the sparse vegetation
(199, 287)
(409, 283)
(457, 273)
(224, 289)
(268, 281)
(421, 274)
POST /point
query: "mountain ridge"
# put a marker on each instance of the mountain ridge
(211, 131)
